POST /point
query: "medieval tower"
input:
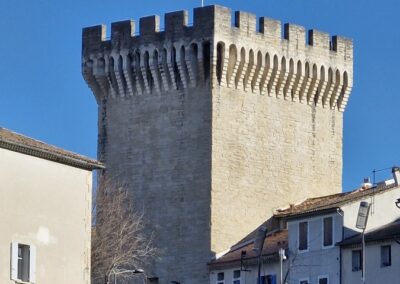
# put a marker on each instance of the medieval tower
(212, 126)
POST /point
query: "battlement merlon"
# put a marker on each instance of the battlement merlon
(318, 70)
(212, 20)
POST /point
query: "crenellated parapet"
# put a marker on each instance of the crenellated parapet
(305, 67)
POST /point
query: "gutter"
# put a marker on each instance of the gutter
(51, 156)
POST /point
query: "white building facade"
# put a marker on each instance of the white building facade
(317, 225)
(45, 208)
(382, 256)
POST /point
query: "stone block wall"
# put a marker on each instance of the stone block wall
(212, 126)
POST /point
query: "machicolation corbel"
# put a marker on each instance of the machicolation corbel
(316, 72)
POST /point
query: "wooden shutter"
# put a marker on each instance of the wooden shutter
(32, 264)
(14, 261)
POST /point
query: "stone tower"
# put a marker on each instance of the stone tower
(212, 126)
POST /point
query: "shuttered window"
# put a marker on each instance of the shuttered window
(303, 235)
(23, 262)
(328, 232)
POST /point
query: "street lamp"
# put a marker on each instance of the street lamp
(282, 257)
(135, 271)
(397, 203)
(361, 223)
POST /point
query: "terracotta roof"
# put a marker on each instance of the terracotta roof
(272, 244)
(329, 202)
(389, 231)
(19, 143)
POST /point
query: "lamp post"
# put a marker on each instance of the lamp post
(282, 257)
(362, 220)
(258, 247)
(135, 271)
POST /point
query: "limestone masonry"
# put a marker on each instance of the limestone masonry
(213, 126)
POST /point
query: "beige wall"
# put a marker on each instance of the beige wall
(47, 205)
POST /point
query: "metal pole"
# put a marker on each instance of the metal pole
(281, 260)
(363, 258)
(259, 269)
(202, 3)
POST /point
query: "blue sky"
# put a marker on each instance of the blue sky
(43, 95)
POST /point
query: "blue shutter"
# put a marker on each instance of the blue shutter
(273, 279)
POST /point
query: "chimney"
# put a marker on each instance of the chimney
(396, 175)
(366, 184)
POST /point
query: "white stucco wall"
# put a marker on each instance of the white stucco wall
(251, 275)
(382, 212)
(374, 274)
(317, 260)
(48, 205)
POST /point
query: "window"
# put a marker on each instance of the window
(23, 263)
(328, 232)
(268, 279)
(220, 278)
(303, 281)
(356, 260)
(236, 277)
(386, 256)
(303, 235)
(323, 280)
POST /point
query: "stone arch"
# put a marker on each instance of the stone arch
(249, 68)
(231, 63)
(241, 65)
(111, 72)
(185, 73)
(101, 65)
(156, 70)
(289, 83)
(193, 58)
(329, 87)
(322, 84)
(257, 71)
(313, 87)
(298, 81)
(274, 77)
(121, 74)
(335, 90)
(266, 73)
(149, 77)
(177, 76)
(344, 89)
(304, 87)
(138, 72)
(220, 60)
(207, 59)
(164, 59)
(281, 79)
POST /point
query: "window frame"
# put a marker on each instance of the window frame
(360, 260)
(234, 279)
(28, 262)
(323, 277)
(304, 279)
(307, 236)
(332, 234)
(223, 278)
(383, 265)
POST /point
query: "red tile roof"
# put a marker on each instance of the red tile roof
(19, 143)
(272, 244)
(329, 202)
